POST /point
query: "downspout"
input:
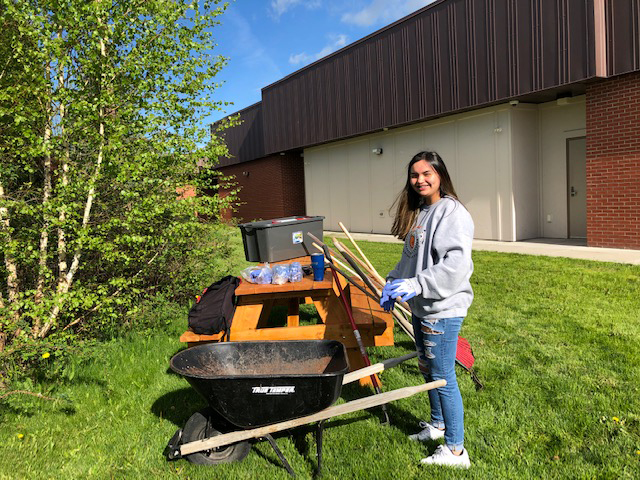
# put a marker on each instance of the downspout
(600, 37)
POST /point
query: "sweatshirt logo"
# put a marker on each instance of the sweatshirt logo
(414, 240)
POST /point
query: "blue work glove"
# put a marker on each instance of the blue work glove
(402, 288)
(388, 305)
(386, 302)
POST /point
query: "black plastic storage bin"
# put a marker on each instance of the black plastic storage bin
(280, 238)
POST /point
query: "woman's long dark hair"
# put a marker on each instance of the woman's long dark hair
(408, 201)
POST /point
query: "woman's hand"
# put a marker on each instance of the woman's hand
(386, 302)
(402, 288)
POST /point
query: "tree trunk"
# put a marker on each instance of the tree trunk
(62, 243)
(65, 282)
(10, 265)
(9, 261)
(46, 195)
(44, 232)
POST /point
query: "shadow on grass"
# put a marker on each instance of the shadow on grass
(178, 406)
(408, 345)
(305, 446)
(32, 410)
(30, 404)
(398, 417)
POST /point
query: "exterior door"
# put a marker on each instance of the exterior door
(577, 187)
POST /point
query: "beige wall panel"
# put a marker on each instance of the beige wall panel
(494, 158)
(476, 183)
(384, 184)
(316, 183)
(337, 188)
(504, 191)
(440, 137)
(526, 171)
(556, 125)
(408, 142)
(358, 172)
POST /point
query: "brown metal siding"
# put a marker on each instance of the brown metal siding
(245, 141)
(623, 36)
(451, 56)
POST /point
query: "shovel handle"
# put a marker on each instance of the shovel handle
(376, 368)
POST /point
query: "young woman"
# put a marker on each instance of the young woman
(433, 276)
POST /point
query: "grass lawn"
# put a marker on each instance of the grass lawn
(557, 345)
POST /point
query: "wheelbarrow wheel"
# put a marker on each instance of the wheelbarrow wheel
(206, 424)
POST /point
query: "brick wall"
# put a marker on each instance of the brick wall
(270, 187)
(613, 162)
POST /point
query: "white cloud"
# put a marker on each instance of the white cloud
(383, 11)
(279, 7)
(248, 48)
(299, 58)
(336, 43)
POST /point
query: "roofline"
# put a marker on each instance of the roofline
(357, 42)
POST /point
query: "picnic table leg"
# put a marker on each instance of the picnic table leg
(263, 319)
(246, 318)
(293, 313)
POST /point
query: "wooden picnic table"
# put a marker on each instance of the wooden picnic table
(256, 302)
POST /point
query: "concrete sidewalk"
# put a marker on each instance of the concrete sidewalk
(551, 247)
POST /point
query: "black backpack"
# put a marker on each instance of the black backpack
(214, 309)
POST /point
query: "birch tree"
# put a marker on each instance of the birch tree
(101, 108)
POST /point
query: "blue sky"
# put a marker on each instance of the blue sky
(266, 40)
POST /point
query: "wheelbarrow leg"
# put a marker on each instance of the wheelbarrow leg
(280, 455)
(319, 430)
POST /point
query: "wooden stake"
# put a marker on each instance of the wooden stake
(404, 324)
(335, 260)
(377, 368)
(372, 274)
(346, 232)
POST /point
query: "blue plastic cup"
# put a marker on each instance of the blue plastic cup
(317, 264)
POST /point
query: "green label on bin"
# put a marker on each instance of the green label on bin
(296, 237)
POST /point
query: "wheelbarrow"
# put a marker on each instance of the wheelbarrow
(254, 389)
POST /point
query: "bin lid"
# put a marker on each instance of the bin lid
(279, 222)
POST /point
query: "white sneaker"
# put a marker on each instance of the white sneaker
(444, 456)
(429, 432)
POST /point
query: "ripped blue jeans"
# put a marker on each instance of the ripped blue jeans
(436, 343)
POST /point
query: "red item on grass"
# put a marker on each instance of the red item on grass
(465, 358)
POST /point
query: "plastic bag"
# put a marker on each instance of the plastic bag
(295, 272)
(259, 275)
(280, 274)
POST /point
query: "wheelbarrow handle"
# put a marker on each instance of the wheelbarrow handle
(334, 411)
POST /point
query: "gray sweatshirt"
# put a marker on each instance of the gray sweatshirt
(437, 260)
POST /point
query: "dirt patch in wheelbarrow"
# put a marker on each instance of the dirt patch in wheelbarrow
(248, 367)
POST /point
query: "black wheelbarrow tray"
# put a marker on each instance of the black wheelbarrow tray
(255, 389)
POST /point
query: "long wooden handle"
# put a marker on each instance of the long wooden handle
(362, 373)
(342, 265)
(346, 232)
(353, 406)
(405, 305)
(376, 368)
(373, 274)
(404, 324)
